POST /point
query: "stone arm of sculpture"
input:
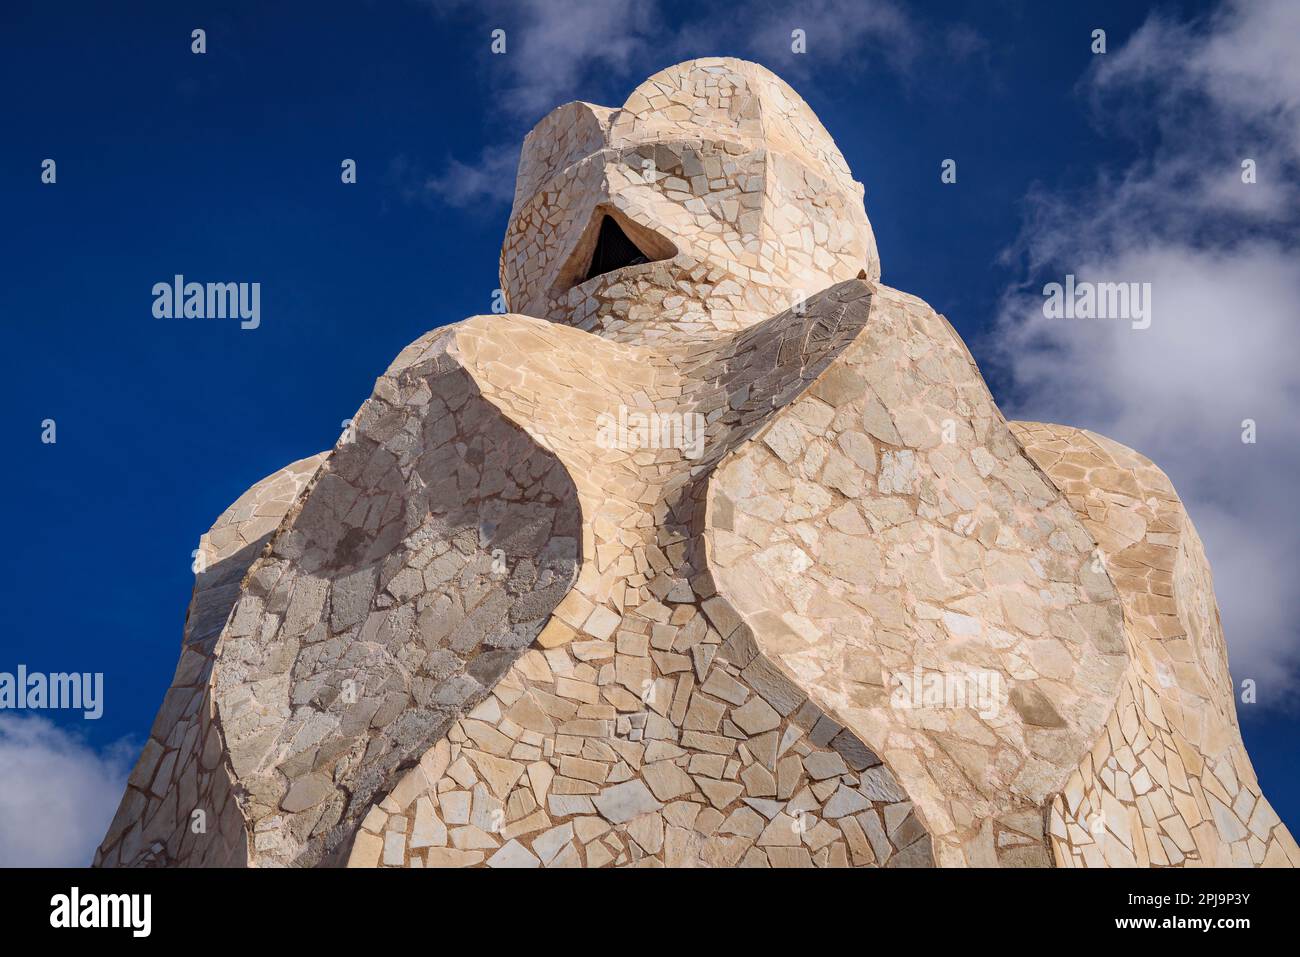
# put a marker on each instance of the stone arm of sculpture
(1018, 617)
(426, 552)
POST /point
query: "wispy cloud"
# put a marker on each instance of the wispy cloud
(553, 48)
(1223, 261)
(599, 49)
(490, 180)
(844, 33)
(59, 794)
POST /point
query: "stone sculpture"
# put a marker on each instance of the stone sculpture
(660, 567)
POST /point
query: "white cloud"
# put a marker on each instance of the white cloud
(599, 49)
(490, 180)
(554, 50)
(844, 33)
(1224, 263)
(57, 795)
(551, 48)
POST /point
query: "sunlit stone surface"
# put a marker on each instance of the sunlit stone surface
(656, 570)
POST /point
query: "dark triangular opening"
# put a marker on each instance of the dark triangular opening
(613, 251)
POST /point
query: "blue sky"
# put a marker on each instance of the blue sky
(225, 167)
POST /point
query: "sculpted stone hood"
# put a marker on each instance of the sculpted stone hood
(719, 172)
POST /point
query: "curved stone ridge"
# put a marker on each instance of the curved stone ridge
(1168, 782)
(714, 552)
(886, 532)
(429, 552)
(182, 768)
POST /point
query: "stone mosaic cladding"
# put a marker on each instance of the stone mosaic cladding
(627, 576)
(430, 551)
(1168, 782)
(645, 729)
(860, 544)
(182, 767)
(717, 162)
